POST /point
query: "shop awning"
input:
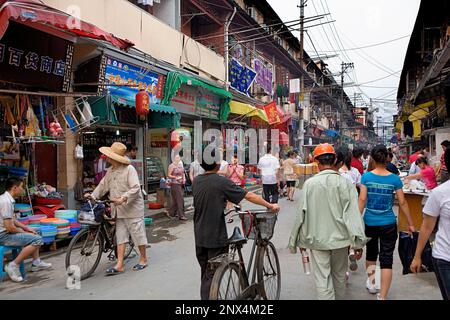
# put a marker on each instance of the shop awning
(176, 79)
(34, 13)
(247, 110)
(421, 111)
(162, 109)
(284, 138)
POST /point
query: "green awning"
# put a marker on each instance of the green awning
(175, 80)
(162, 109)
(103, 108)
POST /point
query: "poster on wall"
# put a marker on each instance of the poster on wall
(241, 77)
(125, 80)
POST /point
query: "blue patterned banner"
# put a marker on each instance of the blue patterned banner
(241, 78)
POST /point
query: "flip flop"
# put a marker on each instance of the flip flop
(139, 267)
(113, 272)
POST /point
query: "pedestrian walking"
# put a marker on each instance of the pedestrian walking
(437, 208)
(376, 201)
(122, 183)
(356, 160)
(290, 176)
(328, 222)
(442, 171)
(177, 181)
(195, 169)
(211, 192)
(269, 166)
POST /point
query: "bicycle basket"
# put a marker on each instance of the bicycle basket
(265, 223)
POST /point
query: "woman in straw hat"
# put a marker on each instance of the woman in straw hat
(122, 183)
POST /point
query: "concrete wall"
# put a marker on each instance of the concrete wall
(168, 11)
(149, 34)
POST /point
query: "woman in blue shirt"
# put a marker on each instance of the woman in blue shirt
(377, 199)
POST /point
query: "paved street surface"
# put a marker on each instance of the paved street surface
(173, 272)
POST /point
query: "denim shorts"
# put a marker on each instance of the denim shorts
(20, 239)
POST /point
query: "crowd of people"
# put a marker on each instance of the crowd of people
(346, 208)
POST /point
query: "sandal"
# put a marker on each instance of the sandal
(113, 272)
(139, 267)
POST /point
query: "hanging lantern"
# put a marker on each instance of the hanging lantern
(142, 103)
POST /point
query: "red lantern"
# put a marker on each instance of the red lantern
(142, 103)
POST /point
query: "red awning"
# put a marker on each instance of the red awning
(32, 13)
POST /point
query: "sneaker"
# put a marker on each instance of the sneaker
(371, 287)
(352, 258)
(379, 297)
(40, 266)
(347, 276)
(13, 273)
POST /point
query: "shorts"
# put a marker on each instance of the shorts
(382, 243)
(291, 184)
(134, 227)
(20, 240)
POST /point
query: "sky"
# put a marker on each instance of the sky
(359, 23)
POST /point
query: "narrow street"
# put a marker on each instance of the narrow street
(173, 272)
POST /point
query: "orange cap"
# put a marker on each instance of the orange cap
(324, 148)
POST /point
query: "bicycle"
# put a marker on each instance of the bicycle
(89, 243)
(231, 277)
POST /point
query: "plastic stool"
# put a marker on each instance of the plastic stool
(15, 251)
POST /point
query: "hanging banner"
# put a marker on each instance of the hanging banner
(272, 112)
(264, 76)
(197, 101)
(34, 58)
(241, 78)
(125, 80)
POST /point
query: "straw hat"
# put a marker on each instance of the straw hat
(116, 152)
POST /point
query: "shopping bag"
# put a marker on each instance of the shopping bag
(407, 248)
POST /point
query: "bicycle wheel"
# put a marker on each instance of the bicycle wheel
(227, 283)
(269, 272)
(85, 252)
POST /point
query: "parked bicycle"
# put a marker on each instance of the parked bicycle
(231, 279)
(86, 248)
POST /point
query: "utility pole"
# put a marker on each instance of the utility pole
(301, 136)
(227, 48)
(344, 67)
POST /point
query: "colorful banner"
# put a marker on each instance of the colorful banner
(241, 78)
(273, 114)
(197, 101)
(264, 77)
(130, 80)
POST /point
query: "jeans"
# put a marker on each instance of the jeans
(270, 193)
(20, 239)
(442, 271)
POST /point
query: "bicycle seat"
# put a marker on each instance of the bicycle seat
(237, 237)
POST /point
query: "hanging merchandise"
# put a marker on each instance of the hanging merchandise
(79, 152)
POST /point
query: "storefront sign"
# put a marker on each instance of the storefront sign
(35, 58)
(125, 80)
(159, 139)
(197, 101)
(264, 76)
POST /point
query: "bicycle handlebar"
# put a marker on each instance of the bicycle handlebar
(238, 210)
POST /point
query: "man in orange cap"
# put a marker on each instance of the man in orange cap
(328, 222)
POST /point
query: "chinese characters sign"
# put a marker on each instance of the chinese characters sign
(197, 101)
(34, 58)
(264, 76)
(125, 80)
(241, 78)
(273, 114)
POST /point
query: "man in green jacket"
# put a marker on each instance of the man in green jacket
(328, 222)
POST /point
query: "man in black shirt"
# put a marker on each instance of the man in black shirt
(390, 166)
(211, 193)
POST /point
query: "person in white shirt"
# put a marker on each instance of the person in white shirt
(437, 206)
(414, 169)
(15, 234)
(269, 166)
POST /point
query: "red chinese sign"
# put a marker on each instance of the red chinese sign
(273, 115)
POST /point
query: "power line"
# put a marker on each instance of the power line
(371, 45)
(389, 75)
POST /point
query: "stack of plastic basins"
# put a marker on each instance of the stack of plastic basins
(35, 222)
(62, 227)
(72, 217)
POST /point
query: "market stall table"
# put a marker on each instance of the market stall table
(415, 200)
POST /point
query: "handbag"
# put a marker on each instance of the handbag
(407, 249)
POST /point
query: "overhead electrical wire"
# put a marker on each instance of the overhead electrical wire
(371, 45)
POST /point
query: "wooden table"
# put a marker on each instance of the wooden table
(414, 201)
